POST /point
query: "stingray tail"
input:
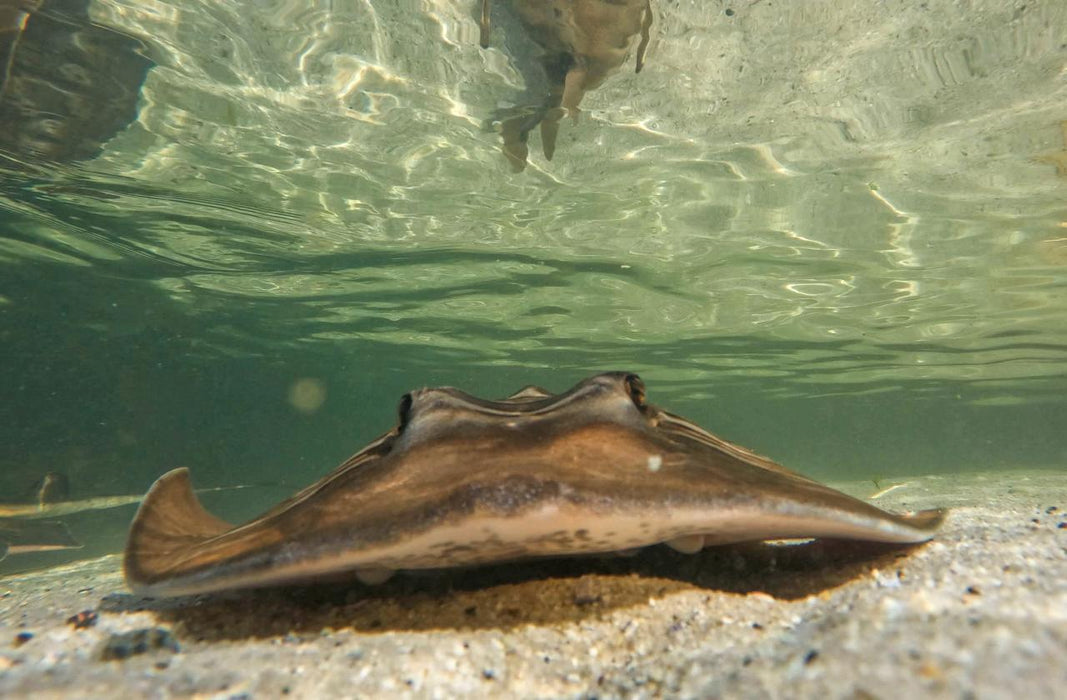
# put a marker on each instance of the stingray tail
(169, 525)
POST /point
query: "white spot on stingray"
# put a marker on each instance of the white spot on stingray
(549, 510)
(654, 463)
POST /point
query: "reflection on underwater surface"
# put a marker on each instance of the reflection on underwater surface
(582, 43)
(66, 84)
(832, 232)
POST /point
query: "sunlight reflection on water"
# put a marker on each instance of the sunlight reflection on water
(819, 172)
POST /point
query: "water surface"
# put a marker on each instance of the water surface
(833, 232)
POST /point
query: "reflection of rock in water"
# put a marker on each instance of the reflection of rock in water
(66, 85)
(583, 41)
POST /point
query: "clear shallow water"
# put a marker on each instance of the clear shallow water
(836, 234)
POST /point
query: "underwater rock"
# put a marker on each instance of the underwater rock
(140, 641)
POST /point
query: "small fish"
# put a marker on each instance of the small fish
(462, 480)
(583, 42)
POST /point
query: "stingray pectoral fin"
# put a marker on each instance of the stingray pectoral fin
(864, 523)
(170, 526)
(924, 522)
(22, 536)
(901, 528)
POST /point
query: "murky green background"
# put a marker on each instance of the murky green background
(833, 232)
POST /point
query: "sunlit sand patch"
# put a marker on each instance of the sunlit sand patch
(1054, 250)
(1058, 158)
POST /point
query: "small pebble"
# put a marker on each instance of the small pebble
(83, 620)
(23, 637)
(140, 641)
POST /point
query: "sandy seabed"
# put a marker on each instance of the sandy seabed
(979, 612)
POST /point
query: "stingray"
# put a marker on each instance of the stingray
(25, 536)
(23, 528)
(18, 536)
(463, 481)
(583, 42)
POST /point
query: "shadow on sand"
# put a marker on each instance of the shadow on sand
(509, 595)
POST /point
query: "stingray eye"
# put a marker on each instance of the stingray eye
(404, 410)
(636, 389)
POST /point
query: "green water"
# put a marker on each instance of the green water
(833, 232)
